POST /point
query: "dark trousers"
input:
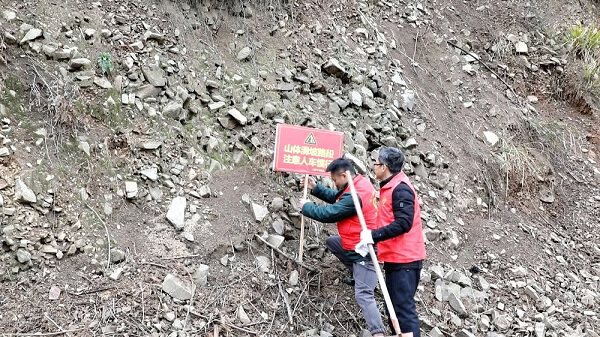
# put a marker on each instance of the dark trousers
(402, 286)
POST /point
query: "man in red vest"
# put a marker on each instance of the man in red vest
(340, 209)
(399, 237)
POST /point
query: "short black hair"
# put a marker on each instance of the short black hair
(392, 157)
(340, 165)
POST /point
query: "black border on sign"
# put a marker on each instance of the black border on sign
(277, 135)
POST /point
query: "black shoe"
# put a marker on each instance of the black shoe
(349, 280)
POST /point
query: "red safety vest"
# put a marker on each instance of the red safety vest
(350, 228)
(410, 246)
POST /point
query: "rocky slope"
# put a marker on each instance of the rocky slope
(136, 194)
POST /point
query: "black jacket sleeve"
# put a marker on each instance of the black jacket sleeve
(403, 206)
(340, 210)
(326, 194)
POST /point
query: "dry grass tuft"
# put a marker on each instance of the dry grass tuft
(581, 83)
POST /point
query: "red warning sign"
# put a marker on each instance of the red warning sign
(305, 150)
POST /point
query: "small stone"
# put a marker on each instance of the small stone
(276, 240)
(369, 104)
(483, 284)
(117, 255)
(23, 193)
(177, 325)
(269, 110)
(411, 143)
(242, 316)
(131, 189)
(150, 173)
(502, 322)
(408, 100)
(54, 293)
(391, 141)
(32, 34)
(153, 36)
(279, 226)
(484, 322)
(155, 76)
(4, 152)
(188, 236)
(105, 33)
(201, 275)
(464, 333)
(397, 78)
(72, 250)
(216, 106)
(85, 147)
(244, 54)
(491, 138)
(224, 260)
(49, 50)
(260, 212)
(176, 213)
(362, 32)
(79, 63)
(468, 68)
(532, 99)
(540, 329)
(146, 91)
(519, 271)
(457, 305)
(521, 47)
(42, 132)
(263, 263)
(356, 98)
(48, 249)
(89, 33)
(102, 82)
(116, 274)
(9, 15)
(460, 278)
(529, 291)
(436, 332)
(360, 165)
(151, 145)
(169, 316)
(23, 256)
(294, 276)
(125, 99)
(277, 204)
(285, 86)
(334, 68)
(205, 191)
(547, 195)
(173, 108)
(176, 288)
(237, 115)
(324, 333)
(437, 272)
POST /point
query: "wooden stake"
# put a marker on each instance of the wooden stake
(384, 291)
(301, 249)
(280, 252)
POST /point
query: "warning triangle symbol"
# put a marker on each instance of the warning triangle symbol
(310, 140)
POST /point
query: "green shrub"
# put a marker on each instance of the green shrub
(105, 63)
(584, 40)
